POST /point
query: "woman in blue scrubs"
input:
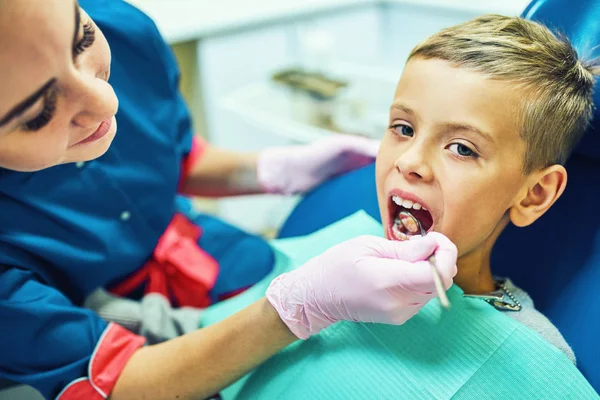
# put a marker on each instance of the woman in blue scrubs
(82, 208)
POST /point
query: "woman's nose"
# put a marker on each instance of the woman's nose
(414, 164)
(96, 101)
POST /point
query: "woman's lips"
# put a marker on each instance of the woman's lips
(100, 132)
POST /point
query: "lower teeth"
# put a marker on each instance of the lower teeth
(400, 231)
(396, 231)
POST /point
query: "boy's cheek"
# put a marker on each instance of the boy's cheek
(381, 198)
(384, 162)
(380, 176)
(469, 235)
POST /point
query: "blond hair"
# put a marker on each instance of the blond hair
(557, 87)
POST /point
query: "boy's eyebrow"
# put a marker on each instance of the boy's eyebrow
(467, 127)
(450, 125)
(402, 107)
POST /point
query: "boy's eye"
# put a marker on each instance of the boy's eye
(462, 150)
(403, 129)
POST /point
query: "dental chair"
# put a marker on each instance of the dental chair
(557, 259)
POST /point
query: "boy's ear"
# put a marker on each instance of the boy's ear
(539, 193)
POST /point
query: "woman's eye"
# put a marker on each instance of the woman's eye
(44, 116)
(89, 35)
(403, 130)
(462, 150)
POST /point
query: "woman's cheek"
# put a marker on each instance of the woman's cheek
(101, 49)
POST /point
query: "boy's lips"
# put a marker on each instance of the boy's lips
(413, 204)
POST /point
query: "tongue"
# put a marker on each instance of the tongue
(403, 228)
(409, 222)
(423, 216)
(398, 231)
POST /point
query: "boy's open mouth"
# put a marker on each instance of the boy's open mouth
(397, 230)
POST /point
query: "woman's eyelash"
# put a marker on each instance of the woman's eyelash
(45, 115)
(89, 34)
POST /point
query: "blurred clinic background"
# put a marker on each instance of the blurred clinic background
(258, 73)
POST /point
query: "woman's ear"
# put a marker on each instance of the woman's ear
(538, 194)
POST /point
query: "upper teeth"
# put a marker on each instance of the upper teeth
(407, 203)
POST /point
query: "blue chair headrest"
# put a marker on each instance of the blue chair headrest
(558, 267)
(580, 22)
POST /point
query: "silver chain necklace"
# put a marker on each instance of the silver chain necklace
(497, 298)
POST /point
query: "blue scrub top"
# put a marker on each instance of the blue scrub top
(70, 229)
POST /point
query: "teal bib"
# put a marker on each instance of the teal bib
(471, 351)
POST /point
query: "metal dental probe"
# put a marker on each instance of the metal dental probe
(436, 276)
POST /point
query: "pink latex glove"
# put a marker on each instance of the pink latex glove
(298, 169)
(366, 279)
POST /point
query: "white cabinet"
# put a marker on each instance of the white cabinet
(226, 63)
(234, 62)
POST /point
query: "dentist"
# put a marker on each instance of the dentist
(82, 207)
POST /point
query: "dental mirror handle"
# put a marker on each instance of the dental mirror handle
(414, 227)
(437, 281)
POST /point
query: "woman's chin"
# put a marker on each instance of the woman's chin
(91, 151)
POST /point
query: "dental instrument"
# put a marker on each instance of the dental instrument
(413, 225)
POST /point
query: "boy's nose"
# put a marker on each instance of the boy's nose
(413, 164)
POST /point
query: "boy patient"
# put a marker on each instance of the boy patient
(483, 119)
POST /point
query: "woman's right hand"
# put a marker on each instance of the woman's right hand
(366, 279)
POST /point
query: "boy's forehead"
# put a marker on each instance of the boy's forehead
(435, 92)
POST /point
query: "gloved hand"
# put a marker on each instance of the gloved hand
(366, 279)
(298, 169)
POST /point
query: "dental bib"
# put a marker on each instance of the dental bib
(469, 351)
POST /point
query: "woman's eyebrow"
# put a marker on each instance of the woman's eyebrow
(31, 100)
(77, 22)
(28, 102)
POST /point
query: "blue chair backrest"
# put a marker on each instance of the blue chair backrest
(560, 267)
(557, 259)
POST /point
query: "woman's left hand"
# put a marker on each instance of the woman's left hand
(298, 169)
